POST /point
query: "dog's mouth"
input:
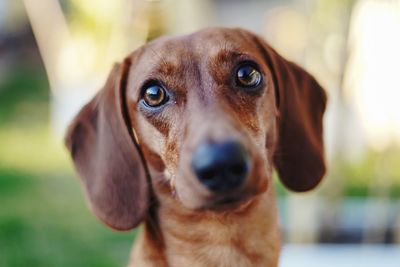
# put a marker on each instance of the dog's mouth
(231, 203)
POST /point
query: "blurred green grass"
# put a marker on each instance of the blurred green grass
(43, 217)
(44, 222)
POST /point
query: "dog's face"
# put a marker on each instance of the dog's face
(204, 110)
(205, 117)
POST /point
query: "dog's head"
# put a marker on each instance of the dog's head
(201, 119)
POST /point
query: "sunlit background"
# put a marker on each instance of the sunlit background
(54, 55)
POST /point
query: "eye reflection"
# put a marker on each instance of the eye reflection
(248, 76)
(154, 96)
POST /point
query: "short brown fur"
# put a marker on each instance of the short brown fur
(135, 162)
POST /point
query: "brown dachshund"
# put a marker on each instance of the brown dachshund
(184, 137)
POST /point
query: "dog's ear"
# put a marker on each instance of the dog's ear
(301, 102)
(106, 156)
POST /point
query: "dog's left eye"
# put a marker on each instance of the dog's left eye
(248, 76)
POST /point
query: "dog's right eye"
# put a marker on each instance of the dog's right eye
(154, 95)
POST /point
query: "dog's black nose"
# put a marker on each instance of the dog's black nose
(220, 166)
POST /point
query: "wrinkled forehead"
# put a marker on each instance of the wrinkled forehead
(169, 55)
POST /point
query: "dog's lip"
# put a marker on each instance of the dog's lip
(231, 203)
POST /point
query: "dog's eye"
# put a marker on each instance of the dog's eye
(248, 76)
(154, 95)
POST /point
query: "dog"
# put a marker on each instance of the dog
(183, 139)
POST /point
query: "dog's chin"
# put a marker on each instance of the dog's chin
(227, 204)
(200, 199)
(231, 204)
(217, 202)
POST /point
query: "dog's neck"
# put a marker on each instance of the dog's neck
(248, 236)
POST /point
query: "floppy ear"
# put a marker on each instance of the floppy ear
(301, 102)
(106, 156)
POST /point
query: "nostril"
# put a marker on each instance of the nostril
(239, 168)
(220, 166)
(208, 174)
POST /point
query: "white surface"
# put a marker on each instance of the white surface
(340, 256)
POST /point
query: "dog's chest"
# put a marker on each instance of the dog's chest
(254, 251)
(251, 239)
(210, 255)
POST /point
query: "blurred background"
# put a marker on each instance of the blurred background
(54, 55)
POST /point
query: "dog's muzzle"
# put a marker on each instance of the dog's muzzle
(221, 167)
